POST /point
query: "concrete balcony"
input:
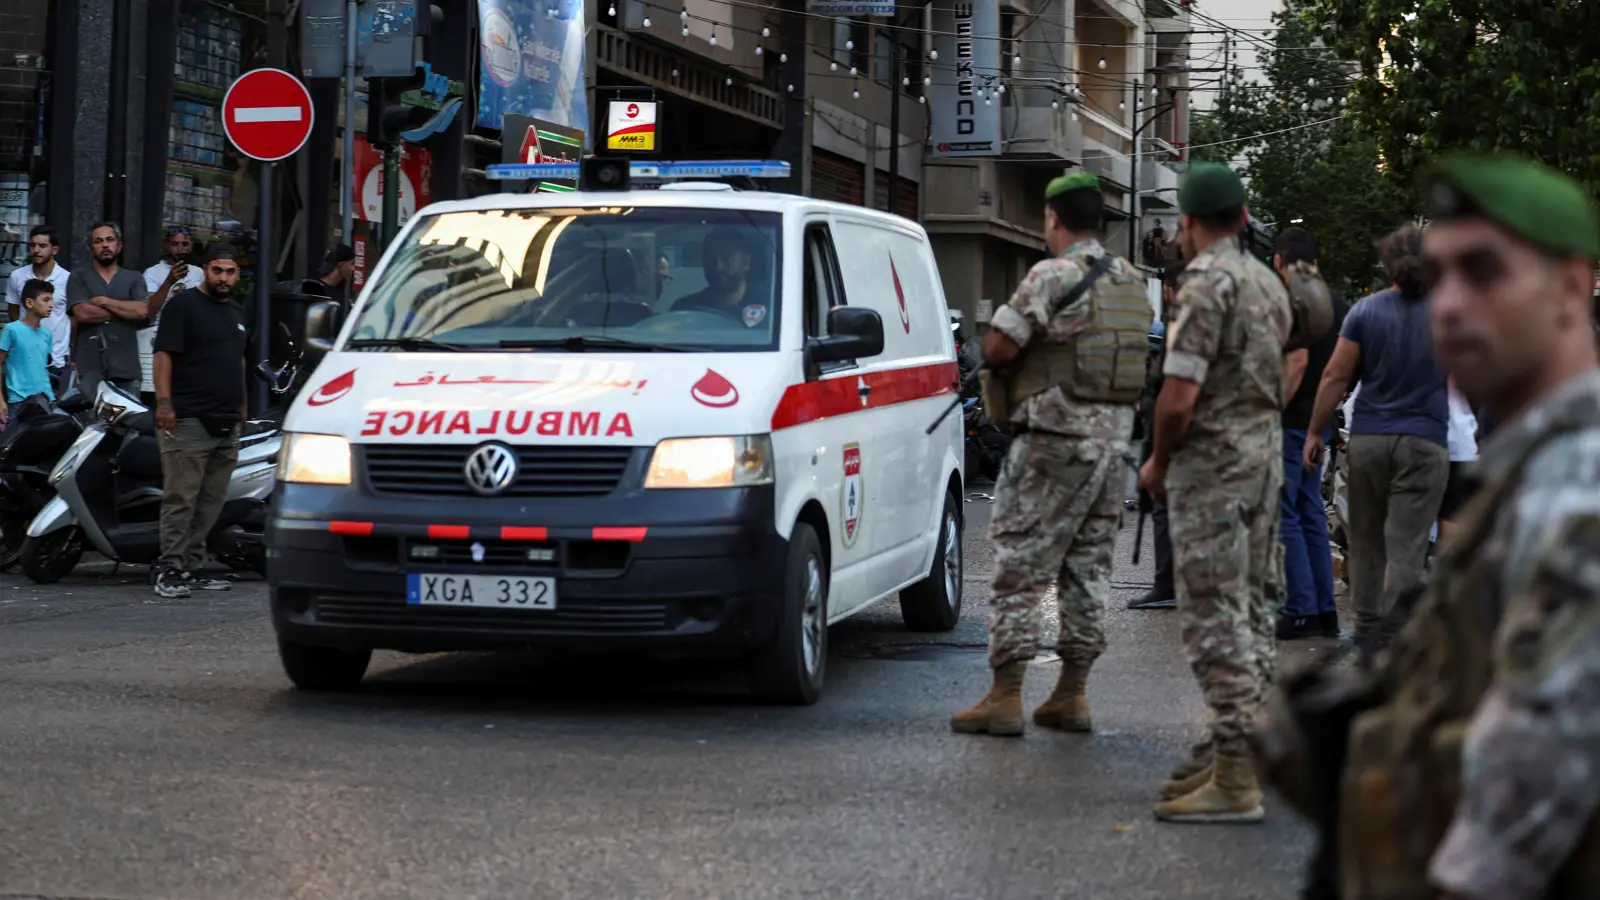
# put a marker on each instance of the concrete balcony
(1158, 184)
(1040, 133)
(1106, 143)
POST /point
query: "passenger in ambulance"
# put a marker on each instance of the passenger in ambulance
(611, 298)
(726, 259)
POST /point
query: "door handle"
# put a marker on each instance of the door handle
(864, 390)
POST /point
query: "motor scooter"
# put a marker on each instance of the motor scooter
(109, 488)
(35, 436)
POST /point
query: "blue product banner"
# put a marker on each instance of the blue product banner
(531, 62)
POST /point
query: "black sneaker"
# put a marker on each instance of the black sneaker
(1154, 600)
(199, 583)
(1330, 624)
(1299, 628)
(172, 585)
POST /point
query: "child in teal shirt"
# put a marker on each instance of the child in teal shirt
(25, 349)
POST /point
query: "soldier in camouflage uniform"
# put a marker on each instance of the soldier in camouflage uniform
(1218, 442)
(1058, 501)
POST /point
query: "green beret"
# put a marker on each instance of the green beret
(1208, 189)
(1534, 202)
(1072, 181)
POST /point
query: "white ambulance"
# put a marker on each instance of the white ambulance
(687, 420)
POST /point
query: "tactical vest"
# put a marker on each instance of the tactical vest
(1107, 361)
(1310, 306)
(1402, 774)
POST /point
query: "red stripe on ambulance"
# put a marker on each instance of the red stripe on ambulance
(443, 532)
(355, 529)
(519, 533)
(620, 534)
(818, 400)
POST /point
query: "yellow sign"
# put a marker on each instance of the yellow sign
(631, 125)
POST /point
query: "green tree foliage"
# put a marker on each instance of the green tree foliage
(1440, 75)
(1305, 158)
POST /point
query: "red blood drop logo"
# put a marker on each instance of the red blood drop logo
(714, 391)
(334, 389)
(900, 294)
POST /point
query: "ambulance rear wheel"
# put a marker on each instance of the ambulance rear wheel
(934, 603)
(789, 670)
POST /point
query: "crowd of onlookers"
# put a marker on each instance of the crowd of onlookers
(1411, 435)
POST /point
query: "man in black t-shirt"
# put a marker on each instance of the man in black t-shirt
(725, 258)
(200, 410)
(1309, 609)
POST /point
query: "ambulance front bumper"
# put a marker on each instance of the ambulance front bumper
(689, 570)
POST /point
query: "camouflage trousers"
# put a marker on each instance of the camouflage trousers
(1228, 569)
(1056, 511)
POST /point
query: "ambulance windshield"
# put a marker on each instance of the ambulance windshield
(666, 277)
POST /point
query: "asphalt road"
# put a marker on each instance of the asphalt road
(153, 749)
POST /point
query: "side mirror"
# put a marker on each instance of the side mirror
(322, 326)
(853, 333)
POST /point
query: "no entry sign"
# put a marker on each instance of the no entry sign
(267, 114)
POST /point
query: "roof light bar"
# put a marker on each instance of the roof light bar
(743, 168)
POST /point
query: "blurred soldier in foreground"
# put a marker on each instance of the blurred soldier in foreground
(1465, 761)
(1065, 363)
(1218, 436)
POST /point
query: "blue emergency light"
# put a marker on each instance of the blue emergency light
(742, 168)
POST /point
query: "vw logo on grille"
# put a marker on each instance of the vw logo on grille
(491, 469)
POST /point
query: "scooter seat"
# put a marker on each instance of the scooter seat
(143, 423)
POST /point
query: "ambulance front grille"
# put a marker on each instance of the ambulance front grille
(541, 471)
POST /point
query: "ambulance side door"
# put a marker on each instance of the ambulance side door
(845, 447)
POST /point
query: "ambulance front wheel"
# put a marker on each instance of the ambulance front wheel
(789, 669)
(323, 668)
(934, 603)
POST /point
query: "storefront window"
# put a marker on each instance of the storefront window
(24, 89)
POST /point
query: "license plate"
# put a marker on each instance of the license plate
(490, 591)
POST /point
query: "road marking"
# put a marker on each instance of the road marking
(269, 114)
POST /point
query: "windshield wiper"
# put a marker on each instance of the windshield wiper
(404, 343)
(581, 342)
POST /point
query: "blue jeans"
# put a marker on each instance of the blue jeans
(1307, 558)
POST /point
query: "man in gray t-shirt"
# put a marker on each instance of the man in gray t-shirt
(108, 304)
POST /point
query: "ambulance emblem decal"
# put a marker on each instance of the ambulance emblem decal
(334, 389)
(900, 294)
(850, 497)
(754, 314)
(714, 391)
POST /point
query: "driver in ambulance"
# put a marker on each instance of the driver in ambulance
(726, 259)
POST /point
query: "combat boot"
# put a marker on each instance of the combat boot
(1231, 796)
(1067, 708)
(1188, 784)
(1199, 758)
(1000, 711)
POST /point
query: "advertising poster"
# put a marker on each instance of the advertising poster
(531, 59)
(416, 185)
(967, 35)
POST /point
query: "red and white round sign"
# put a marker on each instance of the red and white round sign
(267, 114)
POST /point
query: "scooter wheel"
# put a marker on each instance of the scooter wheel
(49, 558)
(13, 534)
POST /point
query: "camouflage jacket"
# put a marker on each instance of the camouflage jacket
(1530, 766)
(1228, 334)
(1024, 319)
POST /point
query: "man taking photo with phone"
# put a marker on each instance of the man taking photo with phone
(200, 412)
(165, 280)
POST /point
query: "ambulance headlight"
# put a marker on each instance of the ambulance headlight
(711, 462)
(314, 459)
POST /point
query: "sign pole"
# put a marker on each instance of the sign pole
(347, 157)
(264, 283)
(391, 194)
